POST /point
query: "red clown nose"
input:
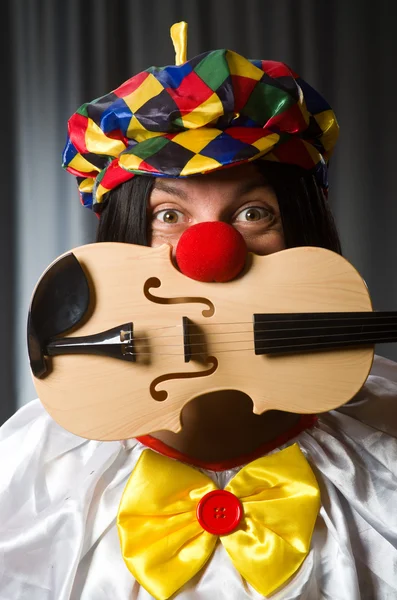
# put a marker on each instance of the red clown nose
(212, 251)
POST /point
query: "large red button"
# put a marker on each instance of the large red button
(219, 512)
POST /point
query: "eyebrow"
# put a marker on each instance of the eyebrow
(245, 188)
(163, 186)
(250, 186)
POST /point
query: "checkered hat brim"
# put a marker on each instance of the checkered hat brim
(215, 110)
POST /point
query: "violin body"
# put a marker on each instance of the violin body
(102, 398)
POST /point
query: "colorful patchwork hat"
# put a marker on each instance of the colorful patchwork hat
(213, 111)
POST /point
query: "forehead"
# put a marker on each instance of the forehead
(236, 178)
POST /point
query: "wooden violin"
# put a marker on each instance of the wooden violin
(119, 340)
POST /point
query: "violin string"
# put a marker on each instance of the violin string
(262, 347)
(192, 354)
(292, 349)
(350, 316)
(264, 328)
(264, 331)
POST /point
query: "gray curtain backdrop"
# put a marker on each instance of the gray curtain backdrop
(57, 55)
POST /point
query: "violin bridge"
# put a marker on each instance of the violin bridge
(187, 351)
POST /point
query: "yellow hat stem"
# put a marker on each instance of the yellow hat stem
(179, 39)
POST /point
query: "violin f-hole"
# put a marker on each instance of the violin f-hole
(161, 395)
(154, 282)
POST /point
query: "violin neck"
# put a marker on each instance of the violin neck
(306, 332)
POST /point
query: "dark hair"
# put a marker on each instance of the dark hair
(123, 213)
(305, 214)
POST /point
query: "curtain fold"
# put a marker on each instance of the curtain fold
(7, 228)
(57, 55)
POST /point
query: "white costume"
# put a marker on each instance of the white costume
(59, 497)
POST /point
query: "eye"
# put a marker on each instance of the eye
(169, 216)
(254, 213)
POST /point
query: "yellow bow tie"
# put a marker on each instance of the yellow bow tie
(171, 517)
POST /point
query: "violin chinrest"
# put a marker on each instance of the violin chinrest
(59, 302)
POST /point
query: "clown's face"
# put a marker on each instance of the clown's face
(239, 196)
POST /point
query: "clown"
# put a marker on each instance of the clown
(236, 505)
